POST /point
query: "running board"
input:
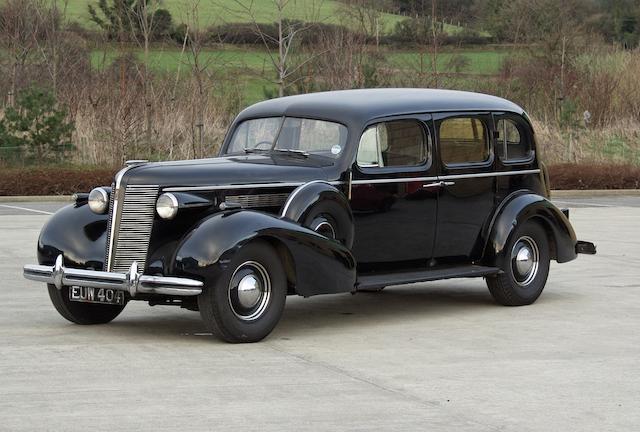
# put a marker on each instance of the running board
(377, 281)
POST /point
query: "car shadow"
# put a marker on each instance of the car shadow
(345, 312)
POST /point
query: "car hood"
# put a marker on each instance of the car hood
(230, 170)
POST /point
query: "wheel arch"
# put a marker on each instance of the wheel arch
(305, 198)
(524, 206)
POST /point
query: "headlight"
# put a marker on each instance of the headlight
(167, 206)
(99, 201)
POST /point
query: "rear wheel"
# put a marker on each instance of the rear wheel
(525, 267)
(81, 313)
(246, 302)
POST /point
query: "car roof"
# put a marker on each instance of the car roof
(362, 105)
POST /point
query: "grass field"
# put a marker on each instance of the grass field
(486, 62)
(212, 12)
(249, 64)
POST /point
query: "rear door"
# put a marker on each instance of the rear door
(395, 215)
(467, 193)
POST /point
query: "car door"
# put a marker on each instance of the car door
(394, 214)
(466, 201)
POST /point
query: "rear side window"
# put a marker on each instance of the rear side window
(463, 140)
(511, 141)
(394, 143)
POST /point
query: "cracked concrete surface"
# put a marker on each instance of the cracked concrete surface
(439, 356)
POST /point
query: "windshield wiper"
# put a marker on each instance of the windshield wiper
(255, 150)
(292, 151)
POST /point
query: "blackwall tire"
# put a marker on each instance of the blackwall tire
(525, 267)
(247, 301)
(82, 313)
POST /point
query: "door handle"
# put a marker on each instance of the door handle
(432, 185)
(439, 184)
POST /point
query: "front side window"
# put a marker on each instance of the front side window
(285, 134)
(393, 143)
(463, 140)
(511, 142)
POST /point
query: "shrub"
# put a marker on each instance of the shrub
(35, 127)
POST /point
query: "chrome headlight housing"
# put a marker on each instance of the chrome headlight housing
(167, 206)
(99, 200)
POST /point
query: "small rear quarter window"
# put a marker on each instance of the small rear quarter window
(512, 143)
(463, 140)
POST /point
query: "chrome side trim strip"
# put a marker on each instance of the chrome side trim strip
(489, 174)
(394, 180)
(240, 186)
(337, 183)
(447, 177)
(296, 192)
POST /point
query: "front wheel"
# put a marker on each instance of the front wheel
(82, 313)
(247, 300)
(525, 267)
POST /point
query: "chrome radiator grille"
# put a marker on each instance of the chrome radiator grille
(132, 214)
(109, 222)
(258, 200)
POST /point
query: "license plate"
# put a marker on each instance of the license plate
(96, 295)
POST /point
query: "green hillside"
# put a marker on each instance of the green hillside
(226, 11)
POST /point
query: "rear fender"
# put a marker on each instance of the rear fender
(309, 194)
(318, 265)
(518, 210)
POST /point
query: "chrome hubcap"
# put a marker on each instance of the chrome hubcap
(323, 227)
(249, 291)
(525, 258)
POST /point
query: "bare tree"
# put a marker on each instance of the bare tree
(20, 29)
(434, 32)
(142, 28)
(364, 16)
(285, 42)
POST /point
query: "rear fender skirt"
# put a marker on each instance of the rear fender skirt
(320, 265)
(521, 208)
(78, 234)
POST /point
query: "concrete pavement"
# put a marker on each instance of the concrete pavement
(438, 356)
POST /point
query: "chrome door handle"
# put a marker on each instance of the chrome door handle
(432, 185)
(439, 184)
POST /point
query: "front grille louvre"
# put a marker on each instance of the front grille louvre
(133, 227)
(109, 222)
(258, 200)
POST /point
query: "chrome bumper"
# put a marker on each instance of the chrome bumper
(132, 282)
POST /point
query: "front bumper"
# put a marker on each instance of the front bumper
(132, 282)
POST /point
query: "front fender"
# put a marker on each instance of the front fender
(522, 208)
(319, 265)
(78, 234)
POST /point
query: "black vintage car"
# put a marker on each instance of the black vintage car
(322, 193)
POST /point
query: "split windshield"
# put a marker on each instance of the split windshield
(289, 135)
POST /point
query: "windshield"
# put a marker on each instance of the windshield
(290, 135)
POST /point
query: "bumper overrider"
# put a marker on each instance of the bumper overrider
(132, 282)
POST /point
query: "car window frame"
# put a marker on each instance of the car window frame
(423, 121)
(486, 118)
(522, 126)
(228, 138)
